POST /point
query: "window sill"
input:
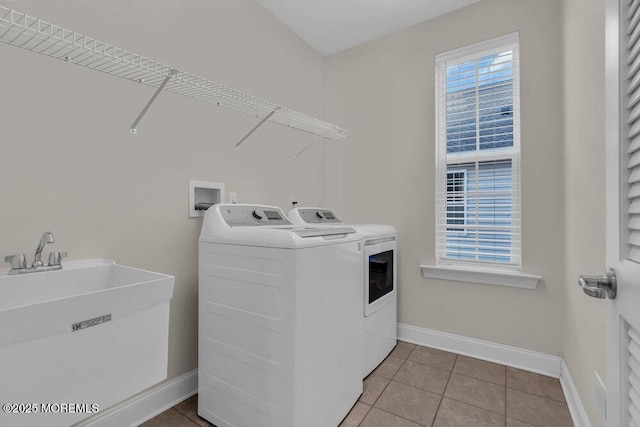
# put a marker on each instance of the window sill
(513, 279)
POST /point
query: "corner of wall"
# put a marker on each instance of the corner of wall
(584, 337)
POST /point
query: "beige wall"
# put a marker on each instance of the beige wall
(69, 165)
(383, 92)
(584, 317)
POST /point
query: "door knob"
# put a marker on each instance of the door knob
(600, 286)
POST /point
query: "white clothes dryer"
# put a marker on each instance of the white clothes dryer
(379, 286)
(280, 343)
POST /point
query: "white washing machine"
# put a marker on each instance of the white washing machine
(380, 281)
(280, 343)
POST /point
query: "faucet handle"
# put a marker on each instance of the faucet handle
(55, 257)
(17, 262)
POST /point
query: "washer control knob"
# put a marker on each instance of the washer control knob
(319, 215)
(257, 214)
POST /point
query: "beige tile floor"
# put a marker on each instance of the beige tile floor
(420, 386)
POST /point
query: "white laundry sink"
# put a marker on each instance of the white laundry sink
(91, 334)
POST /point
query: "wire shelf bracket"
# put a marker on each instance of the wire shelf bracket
(302, 151)
(134, 127)
(237, 146)
(26, 32)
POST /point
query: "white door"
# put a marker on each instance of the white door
(623, 210)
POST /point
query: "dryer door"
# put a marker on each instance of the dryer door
(380, 274)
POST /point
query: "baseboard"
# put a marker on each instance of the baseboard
(146, 405)
(578, 413)
(541, 363)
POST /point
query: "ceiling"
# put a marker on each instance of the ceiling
(330, 26)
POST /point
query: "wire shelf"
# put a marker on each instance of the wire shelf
(26, 32)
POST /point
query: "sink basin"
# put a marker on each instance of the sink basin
(94, 332)
(40, 304)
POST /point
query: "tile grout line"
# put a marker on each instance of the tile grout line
(431, 366)
(479, 379)
(401, 417)
(188, 415)
(189, 419)
(365, 414)
(177, 409)
(537, 395)
(505, 395)
(475, 406)
(385, 387)
(445, 389)
(534, 395)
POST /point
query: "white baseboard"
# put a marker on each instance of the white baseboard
(148, 404)
(578, 413)
(533, 361)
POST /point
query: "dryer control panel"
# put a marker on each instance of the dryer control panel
(253, 215)
(316, 215)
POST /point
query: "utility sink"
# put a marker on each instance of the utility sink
(93, 333)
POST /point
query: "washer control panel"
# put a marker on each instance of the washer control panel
(318, 216)
(253, 215)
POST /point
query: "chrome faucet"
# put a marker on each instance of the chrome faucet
(47, 237)
(19, 265)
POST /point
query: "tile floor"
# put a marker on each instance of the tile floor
(420, 386)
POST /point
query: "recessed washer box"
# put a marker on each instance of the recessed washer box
(202, 195)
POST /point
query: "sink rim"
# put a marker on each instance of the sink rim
(67, 265)
(5, 278)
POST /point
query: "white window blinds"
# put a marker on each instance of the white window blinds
(633, 122)
(478, 154)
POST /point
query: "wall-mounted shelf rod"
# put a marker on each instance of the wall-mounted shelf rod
(26, 32)
(237, 146)
(134, 127)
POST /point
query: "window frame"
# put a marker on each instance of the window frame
(444, 159)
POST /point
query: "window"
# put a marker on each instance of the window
(456, 199)
(478, 154)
